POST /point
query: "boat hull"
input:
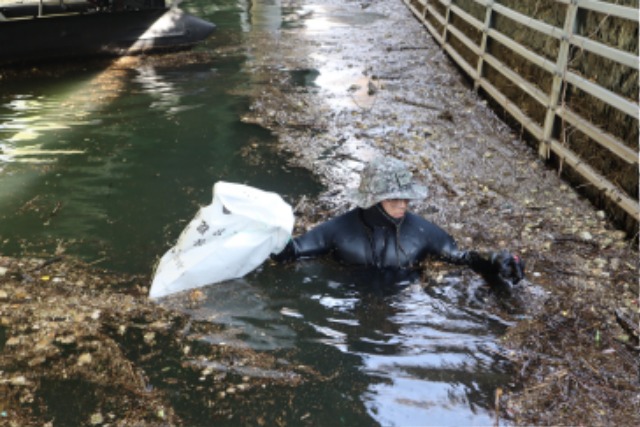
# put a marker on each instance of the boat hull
(99, 34)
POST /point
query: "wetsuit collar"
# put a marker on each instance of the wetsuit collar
(375, 216)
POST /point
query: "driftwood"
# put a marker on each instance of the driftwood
(629, 327)
(417, 104)
(46, 263)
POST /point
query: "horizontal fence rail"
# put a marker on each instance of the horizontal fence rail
(444, 20)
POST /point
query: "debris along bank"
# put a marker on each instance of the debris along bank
(342, 82)
(345, 81)
(84, 346)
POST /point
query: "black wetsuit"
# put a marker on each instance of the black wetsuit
(372, 238)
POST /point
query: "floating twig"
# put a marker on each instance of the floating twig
(417, 104)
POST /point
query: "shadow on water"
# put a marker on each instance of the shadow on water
(3, 337)
(304, 77)
(73, 400)
(391, 354)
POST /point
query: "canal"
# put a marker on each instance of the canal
(109, 162)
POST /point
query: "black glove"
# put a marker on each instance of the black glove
(501, 270)
(508, 267)
(286, 255)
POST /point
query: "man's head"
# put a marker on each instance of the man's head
(387, 179)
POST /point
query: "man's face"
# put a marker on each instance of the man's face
(395, 208)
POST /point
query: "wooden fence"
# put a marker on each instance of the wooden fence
(466, 28)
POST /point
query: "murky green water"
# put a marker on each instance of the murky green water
(110, 164)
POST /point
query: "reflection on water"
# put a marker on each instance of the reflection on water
(266, 15)
(411, 356)
(244, 311)
(166, 95)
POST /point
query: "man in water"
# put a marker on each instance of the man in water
(381, 233)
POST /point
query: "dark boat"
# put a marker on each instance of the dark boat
(39, 30)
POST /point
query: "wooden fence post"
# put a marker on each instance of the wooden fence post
(488, 22)
(557, 86)
(445, 29)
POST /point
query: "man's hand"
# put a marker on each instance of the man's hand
(286, 255)
(508, 267)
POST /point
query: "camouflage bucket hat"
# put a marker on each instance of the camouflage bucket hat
(386, 178)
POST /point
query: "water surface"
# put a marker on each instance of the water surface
(391, 355)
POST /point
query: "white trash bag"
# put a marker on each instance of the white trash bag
(227, 239)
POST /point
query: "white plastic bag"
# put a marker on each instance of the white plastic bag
(227, 239)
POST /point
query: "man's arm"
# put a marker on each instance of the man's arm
(318, 241)
(498, 268)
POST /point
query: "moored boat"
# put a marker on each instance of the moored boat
(39, 30)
